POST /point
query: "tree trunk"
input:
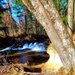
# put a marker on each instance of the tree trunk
(46, 13)
(25, 23)
(74, 17)
(61, 30)
(70, 16)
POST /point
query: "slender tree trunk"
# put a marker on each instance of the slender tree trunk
(36, 23)
(46, 13)
(70, 16)
(74, 18)
(26, 27)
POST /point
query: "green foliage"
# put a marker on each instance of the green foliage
(61, 6)
(65, 20)
(1, 14)
(19, 2)
(29, 14)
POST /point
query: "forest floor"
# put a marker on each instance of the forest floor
(14, 67)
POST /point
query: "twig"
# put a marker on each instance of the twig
(26, 52)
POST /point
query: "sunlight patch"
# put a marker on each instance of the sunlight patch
(54, 63)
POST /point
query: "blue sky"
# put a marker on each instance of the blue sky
(64, 2)
(16, 10)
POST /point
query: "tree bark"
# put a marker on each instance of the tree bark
(74, 18)
(46, 13)
(61, 29)
(70, 16)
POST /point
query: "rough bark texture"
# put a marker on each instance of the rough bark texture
(74, 17)
(70, 16)
(61, 29)
(46, 13)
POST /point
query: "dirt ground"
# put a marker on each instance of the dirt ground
(16, 68)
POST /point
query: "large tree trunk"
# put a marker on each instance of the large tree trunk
(61, 30)
(70, 16)
(46, 13)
